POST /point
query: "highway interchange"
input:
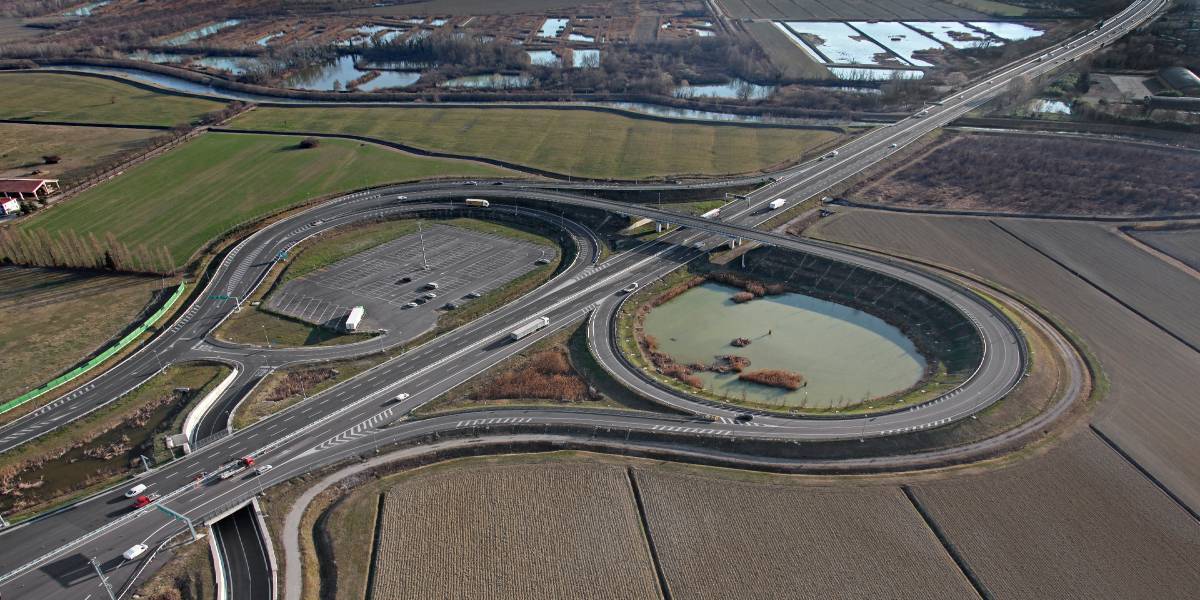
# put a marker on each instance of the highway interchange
(50, 558)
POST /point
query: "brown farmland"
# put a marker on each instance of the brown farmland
(1137, 278)
(1043, 175)
(1181, 244)
(1150, 409)
(721, 538)
(512, 532)
(1077, 523)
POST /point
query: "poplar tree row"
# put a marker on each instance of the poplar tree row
(67, 249)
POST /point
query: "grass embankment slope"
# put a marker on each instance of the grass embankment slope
(196, 193)
(62, 97)
(22, 147)
(582, 143)
(103, 447)
(59, 319)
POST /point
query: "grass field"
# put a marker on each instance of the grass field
(1078, 523)
(62, 97)
(80, 148)
(1149, 410)
(574, 142)
(64, 317)
(719, 538)
(512, 532)
(201, 190)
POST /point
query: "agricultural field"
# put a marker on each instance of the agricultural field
(576, 142)
(200, 191)
(81, 99)
(1137, 278)
(513, 532)
(917, 10)
(720, 538)
(1079, 522)
(1181, 244)
(784, 53)
(1151, 377)
(1041, 175)
(80, 150)
(65, 317)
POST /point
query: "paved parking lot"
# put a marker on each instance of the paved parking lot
(387, 277)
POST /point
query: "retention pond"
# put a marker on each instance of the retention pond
(845, 355)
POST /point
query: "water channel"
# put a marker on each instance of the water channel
(845, 355)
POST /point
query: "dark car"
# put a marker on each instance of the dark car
(744, 418)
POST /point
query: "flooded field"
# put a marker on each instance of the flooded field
(845, 355)
(899, 40)
(335, 75)
(734, 89)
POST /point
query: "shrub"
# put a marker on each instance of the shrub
(52, 159)
(309, 142)
(741, 297)
(774, 378)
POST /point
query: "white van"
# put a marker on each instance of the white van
(136, 490)
(135, 552)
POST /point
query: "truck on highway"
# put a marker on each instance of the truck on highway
(712, 214)
(777, 203)
(529, 328)
(480, 202)
(354, 318)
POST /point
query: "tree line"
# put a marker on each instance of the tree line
(70, 250)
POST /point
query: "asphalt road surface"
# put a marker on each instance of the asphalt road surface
(351, 417)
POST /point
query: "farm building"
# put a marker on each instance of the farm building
(1181, 79)
(9, 206)
(28, 189)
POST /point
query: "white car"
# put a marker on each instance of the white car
(402, 197)
(136, 490)
(135, 552)
(631, 288)
(401, 397)
(893, 145)
(263, 469)
(411, 305)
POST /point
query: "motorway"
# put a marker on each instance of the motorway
(50, 559)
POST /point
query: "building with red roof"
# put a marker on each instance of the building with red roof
(28, 189)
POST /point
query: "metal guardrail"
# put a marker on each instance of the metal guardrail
(100, 358)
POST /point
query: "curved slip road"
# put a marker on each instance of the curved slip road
(348, 418)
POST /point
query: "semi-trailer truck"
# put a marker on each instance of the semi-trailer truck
(480, 202)
(527, 329)
(777, 203)
(354, 318)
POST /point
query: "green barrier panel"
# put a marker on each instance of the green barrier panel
(103, 356)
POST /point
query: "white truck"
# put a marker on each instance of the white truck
(712, 214)
(354, 318)
(527, 329)
(480, 202)
(777, 203)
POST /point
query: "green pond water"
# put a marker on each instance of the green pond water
(846, 356)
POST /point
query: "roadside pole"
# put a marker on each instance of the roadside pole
(103, 579)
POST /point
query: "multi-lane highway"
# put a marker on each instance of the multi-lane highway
(49, 560)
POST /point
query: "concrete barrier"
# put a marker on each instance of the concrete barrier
(198, 411)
